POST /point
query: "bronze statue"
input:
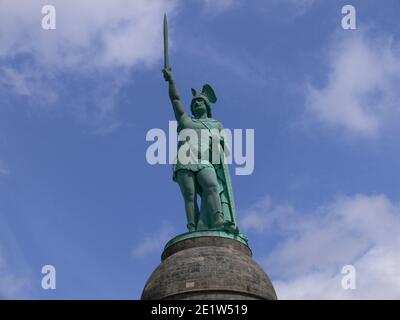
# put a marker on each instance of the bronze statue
(209, 179)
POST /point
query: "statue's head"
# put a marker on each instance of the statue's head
(201, 101)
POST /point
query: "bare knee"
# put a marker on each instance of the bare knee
(188, 195)
(211, 188)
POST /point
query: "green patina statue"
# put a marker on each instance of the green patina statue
(209, 179)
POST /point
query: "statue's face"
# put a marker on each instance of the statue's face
(199, 106)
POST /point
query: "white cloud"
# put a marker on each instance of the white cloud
(360, 230)
(101, 33)
(154, 242)
(361, 87)
(96, 42)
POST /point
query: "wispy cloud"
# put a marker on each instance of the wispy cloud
(361, 90)
(11, 285)
(302, 4)
(264, 214)
(292, 8)
(3, 170)
(358, 230)
(154, 242)
(17, 80)
(218, 6)
(238, 63)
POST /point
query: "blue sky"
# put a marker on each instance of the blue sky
(76, 103)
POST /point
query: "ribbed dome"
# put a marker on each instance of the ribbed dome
(208, 268)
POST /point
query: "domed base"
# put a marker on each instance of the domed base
(208, 268)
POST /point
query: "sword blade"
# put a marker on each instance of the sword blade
(166, 62)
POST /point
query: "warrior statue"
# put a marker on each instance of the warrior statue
(202, 176)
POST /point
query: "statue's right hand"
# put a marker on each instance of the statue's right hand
(167, 74)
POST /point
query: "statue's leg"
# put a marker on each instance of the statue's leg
(207, 179)
(187, 183)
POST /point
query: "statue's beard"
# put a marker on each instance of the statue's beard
(197, 112)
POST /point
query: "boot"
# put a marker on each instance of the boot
(231, 227)
(191, 227)
(192, 219)
(219, 220)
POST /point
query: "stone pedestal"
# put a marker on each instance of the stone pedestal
(208, 267)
